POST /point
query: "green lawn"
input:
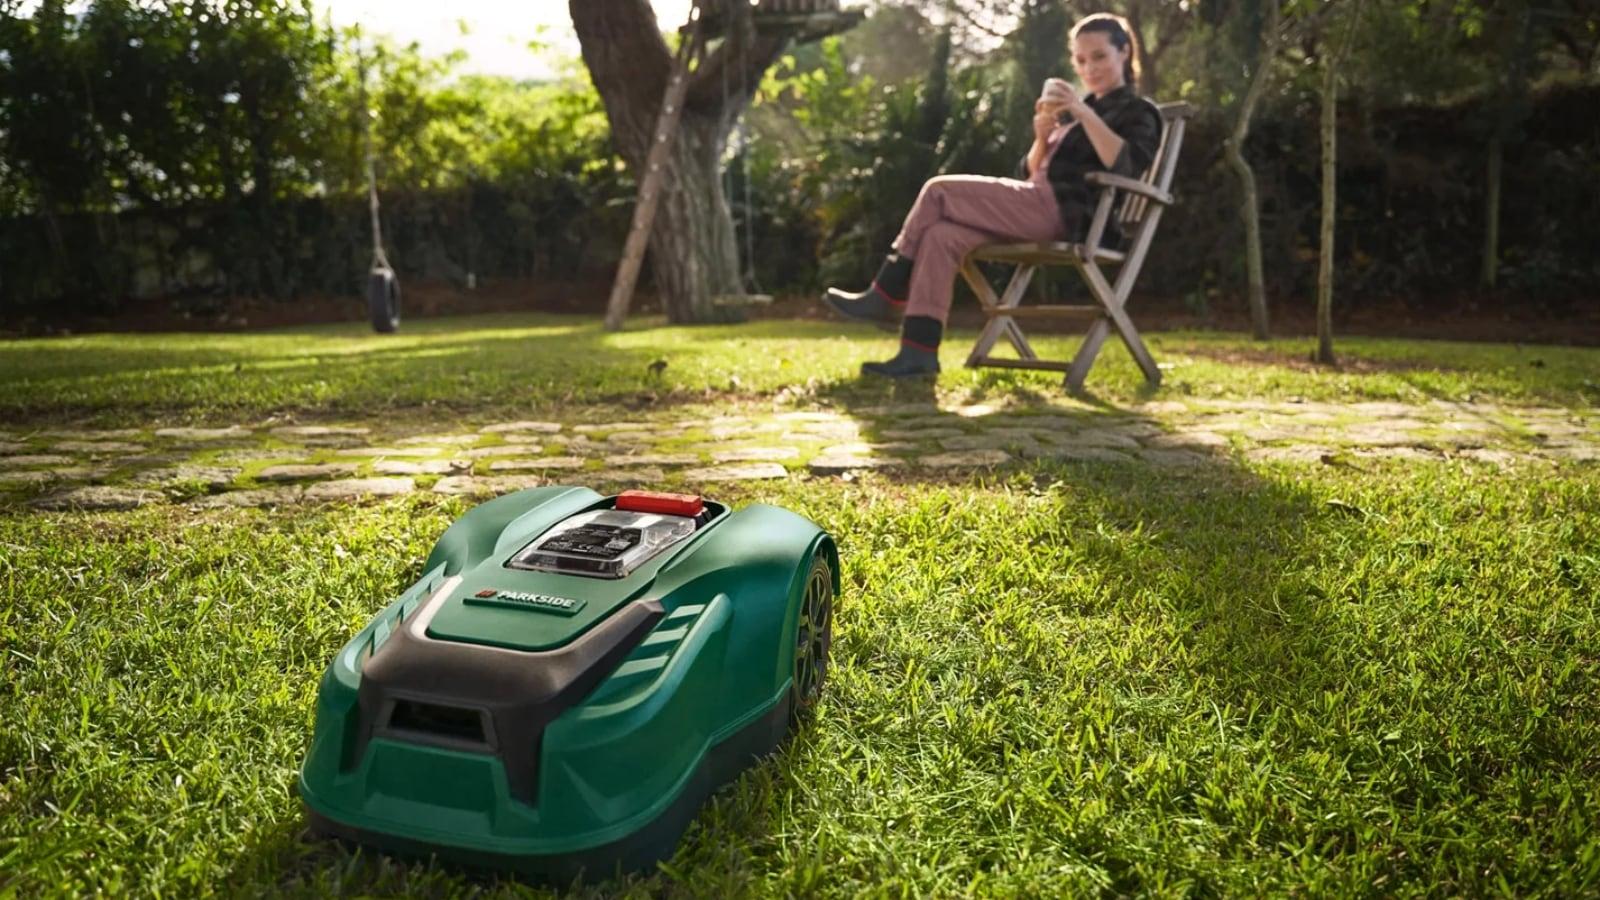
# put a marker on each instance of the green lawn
(509, 362)
(1052, 680)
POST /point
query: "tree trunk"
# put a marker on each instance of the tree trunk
(693, 255)
(1491, 212)
(1330, 99)
(1249, 203)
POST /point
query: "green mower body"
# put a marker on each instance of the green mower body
(570, 678)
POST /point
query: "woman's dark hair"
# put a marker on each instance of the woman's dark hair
(1122, 37)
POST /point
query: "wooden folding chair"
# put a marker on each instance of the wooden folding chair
(1138, 212)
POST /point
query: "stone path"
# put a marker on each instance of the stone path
(246, 465)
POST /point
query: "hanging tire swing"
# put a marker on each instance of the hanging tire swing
(383, 299)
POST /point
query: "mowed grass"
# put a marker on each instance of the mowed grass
(1052, 680)
(544, 361)
(1077, 680)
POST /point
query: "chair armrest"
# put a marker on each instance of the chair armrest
(1121, 183)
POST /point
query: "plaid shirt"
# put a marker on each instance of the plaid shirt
(1135, 120)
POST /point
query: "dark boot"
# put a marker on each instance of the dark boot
(919, 350)
(883, 301)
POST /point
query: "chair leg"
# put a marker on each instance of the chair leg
(999, 326)
(1100, 330)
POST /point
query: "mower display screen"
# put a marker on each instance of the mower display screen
(594, 541)
(605, 543)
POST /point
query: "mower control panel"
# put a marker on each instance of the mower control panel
(605, 543)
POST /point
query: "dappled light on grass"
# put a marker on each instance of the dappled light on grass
(512, 361)
(1067, 679)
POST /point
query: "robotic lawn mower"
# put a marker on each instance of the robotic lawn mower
(570, 679)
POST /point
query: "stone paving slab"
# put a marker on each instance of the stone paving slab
(653, 459)
(965, 459)
(895, 438)
(502, 450)
(525, 427)
(305, 472)
(754, 454)
(426, 467)
(321, 431)
(97, 448)
(35, 459)
(837, 463)
(536, 463)
(99, 498)
(494, 484)
(748, 472)
(205, 434)
(278, 496)
(353, 488)
(213, 478)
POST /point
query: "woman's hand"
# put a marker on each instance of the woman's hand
(1075, 106)
(1044, 121)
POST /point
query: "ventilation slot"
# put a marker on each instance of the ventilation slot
(445, 723)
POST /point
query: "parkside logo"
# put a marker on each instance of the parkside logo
(538, 601)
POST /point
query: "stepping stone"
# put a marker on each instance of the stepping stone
(1170, 457)
(1502, 459)
(429, 467)
(1297, 453)
(1095, 437)
(333, 442)
(1078, 454)
(527, 427)
(278, 496)
(537, 463)
(1376, 436)
(653, 459)
(12, 447)
(987, 442)
(503, 450)
(412, 452)
(1574, 453)
(1191, 440)
(351, 488)
(612, 426)
(35, 476)
(446, 439)
(643, 477)
(98, 447)
(303, 472)
(635, 437)
(35, 459)
(212, 477)
(808, 416)
(153, 459)
(900, 409)
(320, 430)
(748, 472)
(724, 432)
(1402, 454)
(965, 459)
(501, 484)
(863, 449)
(1163, 408)
(754, 454)
(1135, 429)
(204, 434)
(976, 411)
(919, 434)
(851, 433)
(837, 463)
(93, 434)
(100, 498)
(254, 455)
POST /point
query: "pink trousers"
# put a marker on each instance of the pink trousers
(954, 214)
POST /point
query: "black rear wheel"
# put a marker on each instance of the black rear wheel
(812, 640)
(383, 300)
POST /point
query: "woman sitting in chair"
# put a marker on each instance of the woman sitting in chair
(1111, 129)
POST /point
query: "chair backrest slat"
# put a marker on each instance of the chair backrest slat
(1159, 175)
